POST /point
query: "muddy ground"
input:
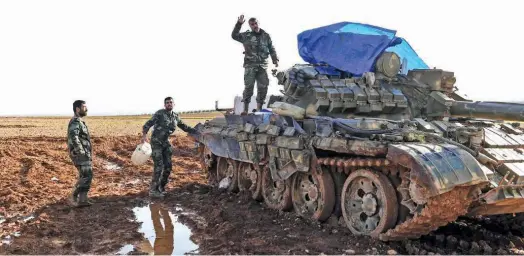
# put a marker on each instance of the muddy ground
(35, 218)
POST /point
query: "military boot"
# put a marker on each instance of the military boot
(162, 187)
(259, 107)
(153, 190)
(73, 198)
(82, 199)
(162, 190)
(246, 109)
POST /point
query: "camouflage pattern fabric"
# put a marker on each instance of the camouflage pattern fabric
(162, 164)
(165, 123)
(79, 142)
(252, 74)
(258, 46)
(85, 176)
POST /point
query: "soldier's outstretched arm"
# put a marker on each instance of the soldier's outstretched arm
(184, 126)
(74, 131)
(236, 35)
(273, 52)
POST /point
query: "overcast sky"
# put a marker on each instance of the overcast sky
(124, 57)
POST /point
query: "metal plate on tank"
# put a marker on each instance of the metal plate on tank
(241, 146)
(301, 159)
(273, 151)
(489, 173)
(253, 157)
(262, 151)
(437, 167)
(505, 154)
(233, 148)
(290, 142)
(215, 143)
(250, 146)
(495, 137)
(284, 153)
(242, 136)
(263, 139)
(515, 171)
(244, 156)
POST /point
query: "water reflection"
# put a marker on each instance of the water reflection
(163, 244)
(163, 234)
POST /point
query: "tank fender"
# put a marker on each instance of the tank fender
(436, 168)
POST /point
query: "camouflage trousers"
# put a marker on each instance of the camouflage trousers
(85, 175)
(252, 74)
(163, 165)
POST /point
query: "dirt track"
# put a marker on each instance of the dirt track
(37, 176)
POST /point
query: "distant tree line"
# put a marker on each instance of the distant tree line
(196, 111)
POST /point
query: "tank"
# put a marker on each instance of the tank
(382, 143)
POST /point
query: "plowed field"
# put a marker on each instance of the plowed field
(35, 217)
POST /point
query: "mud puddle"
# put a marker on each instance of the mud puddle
(163, 233)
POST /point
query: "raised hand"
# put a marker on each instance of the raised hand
(241, 19)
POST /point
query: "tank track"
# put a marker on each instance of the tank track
(428, 217)
(433, 215)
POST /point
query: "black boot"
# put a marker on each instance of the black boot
(162, 190)
(259, 107)
(82, 199)
(162, 186)
(153, 190)
(246, 108)
(73, 198)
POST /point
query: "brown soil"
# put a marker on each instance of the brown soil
(227, 223)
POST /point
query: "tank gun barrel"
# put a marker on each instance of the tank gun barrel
(489, 110)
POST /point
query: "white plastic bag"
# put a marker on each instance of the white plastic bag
(141, 153)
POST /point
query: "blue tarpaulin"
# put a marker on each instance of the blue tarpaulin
(354, 48)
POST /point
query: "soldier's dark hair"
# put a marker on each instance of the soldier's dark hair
(167, 98)
(77, 104)
(253, 19)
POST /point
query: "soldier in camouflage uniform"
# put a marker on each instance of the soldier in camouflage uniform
(258, 46)
(165, 122)
(80, 151)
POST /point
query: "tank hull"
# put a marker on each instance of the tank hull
(434, 183)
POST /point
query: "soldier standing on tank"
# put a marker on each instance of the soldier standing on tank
(257, 47)
(165, 122)
(80, 151)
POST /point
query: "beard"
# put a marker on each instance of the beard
(82, 113)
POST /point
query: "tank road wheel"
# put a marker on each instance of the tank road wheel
(369, 203)
(227, 174)
(208, 161)
(249, 179)
(313, 194)
(276, 194)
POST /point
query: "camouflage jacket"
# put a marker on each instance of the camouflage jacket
(257, 46)
(165, 123)
(79, 142)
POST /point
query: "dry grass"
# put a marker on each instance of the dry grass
(98, 126)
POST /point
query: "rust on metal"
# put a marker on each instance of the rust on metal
(354, 147)
(500, 200)
(433, 216)
(346, 164)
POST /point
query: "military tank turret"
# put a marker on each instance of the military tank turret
(379, 140)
